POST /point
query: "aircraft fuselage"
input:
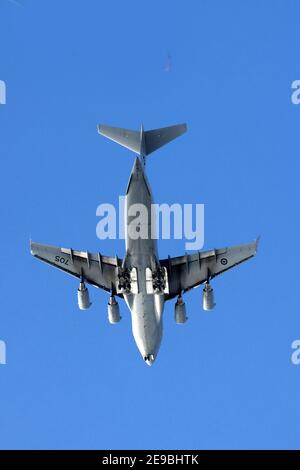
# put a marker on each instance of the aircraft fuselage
(141, 253)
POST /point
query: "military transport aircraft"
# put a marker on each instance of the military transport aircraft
(143, 280)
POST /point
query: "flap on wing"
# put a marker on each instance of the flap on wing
(96, 269)
(186, 272)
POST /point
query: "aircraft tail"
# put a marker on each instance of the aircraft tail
(142, 142)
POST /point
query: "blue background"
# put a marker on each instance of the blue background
(224, 380)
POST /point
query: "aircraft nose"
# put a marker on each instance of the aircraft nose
(149, 359)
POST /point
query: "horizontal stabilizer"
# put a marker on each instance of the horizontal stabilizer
(142, 142)
(159, 137)
(129, 139)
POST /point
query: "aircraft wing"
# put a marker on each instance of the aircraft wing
(186, 272)
(96, 269)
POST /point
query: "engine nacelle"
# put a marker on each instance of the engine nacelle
(113, 311)
(208, 298)
(180, 311)
(83, 297)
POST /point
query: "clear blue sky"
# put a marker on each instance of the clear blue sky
(225, 379)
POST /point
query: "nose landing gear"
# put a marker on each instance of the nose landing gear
(149, 359)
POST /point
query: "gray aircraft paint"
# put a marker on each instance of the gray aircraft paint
(180, 274)
(146, 309)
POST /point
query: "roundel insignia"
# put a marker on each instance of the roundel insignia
(224, 261)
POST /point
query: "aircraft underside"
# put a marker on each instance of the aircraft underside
(142, 279)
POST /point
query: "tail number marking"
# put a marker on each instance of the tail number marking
(62, 260)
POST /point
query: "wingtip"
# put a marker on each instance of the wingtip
(31, 247)
(184, 127)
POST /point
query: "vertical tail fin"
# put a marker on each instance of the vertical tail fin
(142, 142)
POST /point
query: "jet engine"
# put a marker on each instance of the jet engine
(208, 297)
(180, 311)
(83, 297)
(113, 311)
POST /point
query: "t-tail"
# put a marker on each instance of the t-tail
(142, 142)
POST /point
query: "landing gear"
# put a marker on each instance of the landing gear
(159, 280)
(124, 281)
